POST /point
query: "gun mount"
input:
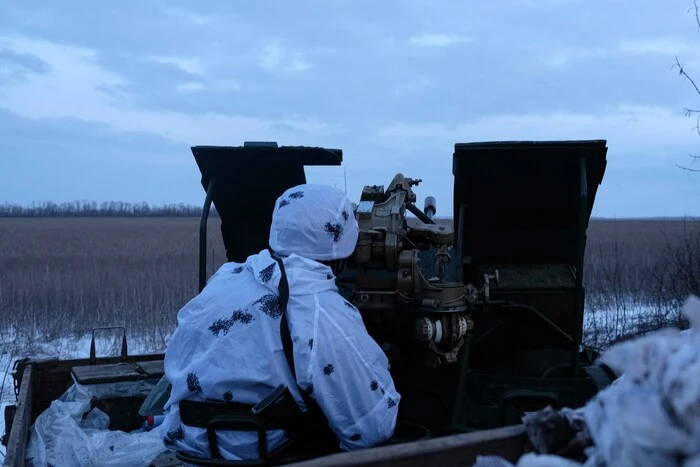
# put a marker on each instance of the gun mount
(482, 317)
(437, 308)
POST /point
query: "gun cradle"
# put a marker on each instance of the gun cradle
(389, 284)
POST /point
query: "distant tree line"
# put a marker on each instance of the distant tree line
(104, 209)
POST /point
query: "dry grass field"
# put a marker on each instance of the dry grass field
(639, 268)
(65, 276)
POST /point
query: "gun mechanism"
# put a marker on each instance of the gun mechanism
(390, 288)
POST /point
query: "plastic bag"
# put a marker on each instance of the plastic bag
(156, 399)
(545, 460)
(491, 461)
(61, 437)
(527, 460)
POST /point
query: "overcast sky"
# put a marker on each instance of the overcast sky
(102, 100)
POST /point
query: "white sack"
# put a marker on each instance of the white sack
(61, 437)
(650, 416)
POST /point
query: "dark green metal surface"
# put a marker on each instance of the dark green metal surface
(249, 179)
(518, 202)
(523, 207)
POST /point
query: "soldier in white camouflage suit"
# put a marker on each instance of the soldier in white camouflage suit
(227, 345)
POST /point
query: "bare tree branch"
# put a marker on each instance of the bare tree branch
(688, 111)
(688, 169)
(682, 72)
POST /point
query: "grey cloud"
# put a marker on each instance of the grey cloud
(67, 160)
(121, 25)
(28, 62)
(334, 74)
(16, 67)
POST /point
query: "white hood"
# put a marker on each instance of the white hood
(314, 221)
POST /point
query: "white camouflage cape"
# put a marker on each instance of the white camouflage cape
(227, 344)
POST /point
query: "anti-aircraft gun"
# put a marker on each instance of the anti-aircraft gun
(388, 284)
(481, 316)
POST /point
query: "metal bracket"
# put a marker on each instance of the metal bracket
(124, 350)
(203, 235)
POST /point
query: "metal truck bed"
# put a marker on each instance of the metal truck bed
(459, 450)
(37, 383)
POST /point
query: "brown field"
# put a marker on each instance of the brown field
(65, 276)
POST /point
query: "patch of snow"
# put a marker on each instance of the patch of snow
(619, 321)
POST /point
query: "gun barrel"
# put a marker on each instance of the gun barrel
(430, 207)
